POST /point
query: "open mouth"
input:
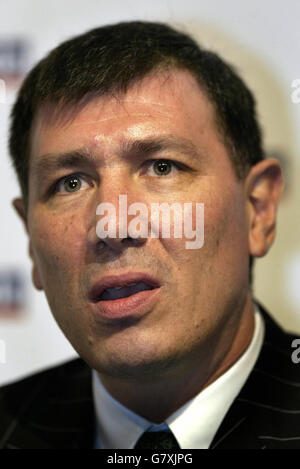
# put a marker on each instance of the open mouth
(119, 296)
(116, 293)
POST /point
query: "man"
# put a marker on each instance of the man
(173, 347)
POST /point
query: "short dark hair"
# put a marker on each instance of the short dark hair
(108, 60)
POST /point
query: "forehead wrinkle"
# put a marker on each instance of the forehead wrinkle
(152, 112)
(66, 116)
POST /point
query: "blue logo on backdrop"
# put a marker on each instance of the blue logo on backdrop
(14, 55)
(12, 292)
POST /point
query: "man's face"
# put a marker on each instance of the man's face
(201, 291)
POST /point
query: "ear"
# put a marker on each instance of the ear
(264, 184)
(20, 207)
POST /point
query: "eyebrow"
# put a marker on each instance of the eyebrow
(165, 143)
(50, 162)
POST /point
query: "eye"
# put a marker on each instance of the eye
(70, 184)
(163, 167)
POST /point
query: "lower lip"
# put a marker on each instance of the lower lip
(134, 305)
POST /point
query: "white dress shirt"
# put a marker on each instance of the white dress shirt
(194, 425)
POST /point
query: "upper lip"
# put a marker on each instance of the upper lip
(110, 281)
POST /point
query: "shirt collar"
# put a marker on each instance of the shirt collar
(195, 424)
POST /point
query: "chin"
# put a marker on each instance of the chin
(135, 366)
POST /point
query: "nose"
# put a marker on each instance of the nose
(118, 200)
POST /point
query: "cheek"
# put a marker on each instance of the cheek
(226, 236)
(220, 239)
(57, 244)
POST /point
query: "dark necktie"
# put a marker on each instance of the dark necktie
(157, 440)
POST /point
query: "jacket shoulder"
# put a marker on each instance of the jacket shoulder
(35, 400)
(18, 388)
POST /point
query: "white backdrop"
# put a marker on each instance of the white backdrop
(262, 39)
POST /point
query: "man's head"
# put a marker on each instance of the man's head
(90, 123)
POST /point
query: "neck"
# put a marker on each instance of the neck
(157, 399)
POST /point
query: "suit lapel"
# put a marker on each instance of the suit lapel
(266, 412)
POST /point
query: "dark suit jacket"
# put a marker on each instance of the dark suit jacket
(53, 409)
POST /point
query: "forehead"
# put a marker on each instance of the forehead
(170, 103)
